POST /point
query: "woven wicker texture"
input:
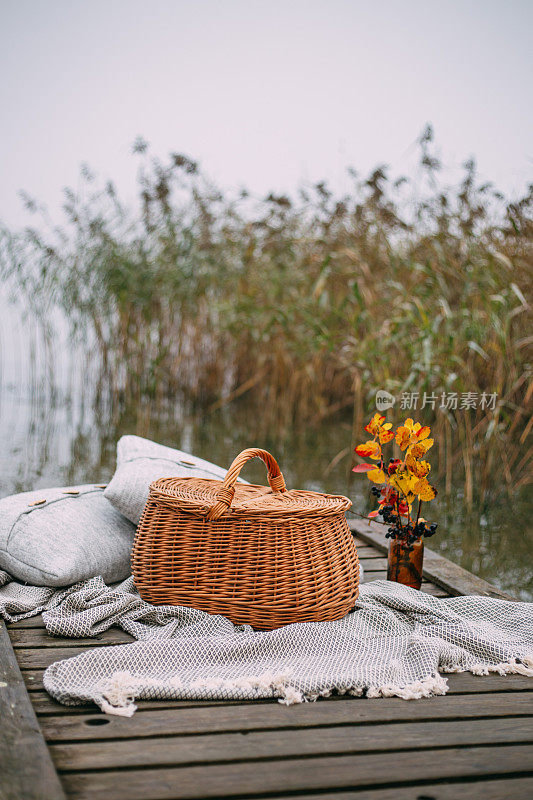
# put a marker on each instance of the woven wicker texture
(263, 556)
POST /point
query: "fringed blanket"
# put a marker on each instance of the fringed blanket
(395, 643)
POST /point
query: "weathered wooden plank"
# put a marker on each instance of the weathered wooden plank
(510, 788)
(33, 679)
(360, 542)
(427, 586)
(293, 775)
(37, 658)
(466, 683)
(378, 573)
(29, 622)
(46, 705)
(26, 769)
(434, 591)
(269, 716)
(366, 551)
(443, 572)
(38, 637)
(378, 562)
(176, 750)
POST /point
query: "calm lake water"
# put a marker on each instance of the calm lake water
(49, 441)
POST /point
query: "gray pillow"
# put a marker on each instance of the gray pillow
(56, 537)
(140, 462)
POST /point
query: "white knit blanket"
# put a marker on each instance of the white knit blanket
(395, 643)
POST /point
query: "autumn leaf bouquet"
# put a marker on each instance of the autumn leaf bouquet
(401, 485)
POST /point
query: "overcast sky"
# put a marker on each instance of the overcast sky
(263, 93)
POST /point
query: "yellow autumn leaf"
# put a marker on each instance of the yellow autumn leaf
(420, 448)
(424, 490)
(418, 468)
(403, 482)
(377, 476)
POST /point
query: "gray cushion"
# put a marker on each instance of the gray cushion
(140, 462)
(68, 538)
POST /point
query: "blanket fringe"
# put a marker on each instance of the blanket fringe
(117, 694)
(427, 687)
(118, 711)
(278, 684)
(524, 666)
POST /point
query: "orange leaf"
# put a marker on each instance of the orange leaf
(375, 424)
(369, 449)
(403, 437)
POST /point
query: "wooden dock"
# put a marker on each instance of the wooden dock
(474, 743)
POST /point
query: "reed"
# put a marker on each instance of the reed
(303, 306)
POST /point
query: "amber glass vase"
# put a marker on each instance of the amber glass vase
(405, 562)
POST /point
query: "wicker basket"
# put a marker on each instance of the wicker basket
(267, 557)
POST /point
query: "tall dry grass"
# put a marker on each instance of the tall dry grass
(303, 306)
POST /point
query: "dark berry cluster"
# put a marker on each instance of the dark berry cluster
(408, 533)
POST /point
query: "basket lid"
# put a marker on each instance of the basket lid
(214, 498)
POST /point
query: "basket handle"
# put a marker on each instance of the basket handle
(225, 494)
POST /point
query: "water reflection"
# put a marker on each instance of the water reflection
(60, 439)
